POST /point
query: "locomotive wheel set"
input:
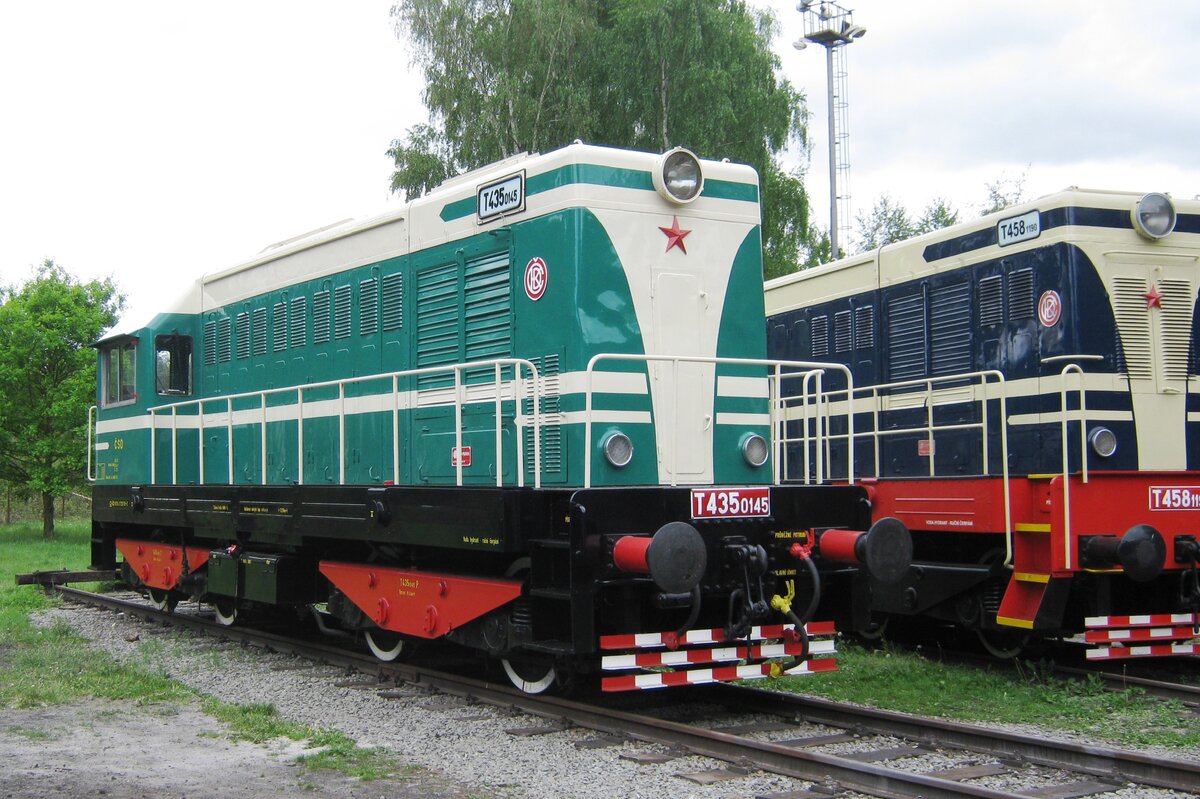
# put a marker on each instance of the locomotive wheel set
(530, 413)
(1026, 400)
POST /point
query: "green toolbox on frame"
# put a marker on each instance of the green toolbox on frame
(273, 579)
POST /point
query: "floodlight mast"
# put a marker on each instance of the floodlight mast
(832, 26)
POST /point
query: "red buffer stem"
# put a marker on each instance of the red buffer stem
(631, 554)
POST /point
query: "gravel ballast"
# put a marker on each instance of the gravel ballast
(462, 750)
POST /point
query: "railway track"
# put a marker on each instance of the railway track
(831, 749)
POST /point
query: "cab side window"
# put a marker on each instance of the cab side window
(118, 373)
(173, 366)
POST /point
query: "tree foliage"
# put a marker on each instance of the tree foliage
(889, 222)
(48, 379)
(509, 76)
(1003, 192)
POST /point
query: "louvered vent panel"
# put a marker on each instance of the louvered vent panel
(242, 334)
(841, 331)
(223, 336)
(258, 331)
(321, 326)
(299, 320)
(393, 301)
(906, 337)
(210, 342)
(437, 321)
(341, 312)
(950, 326)
(1176, 330)
(991, 301)
(864, 327)
(279, 329)
(368, 307)
(1020, 295)
(1133, 325)
(487, 308)
(552, 448)
(820, 336)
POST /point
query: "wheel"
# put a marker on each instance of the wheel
(1002, 644)
(874, 631)
(384, 644)
(226, 610)
(162, 599)
(531, 675)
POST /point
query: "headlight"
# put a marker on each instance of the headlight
(678, 176)
(754, 449)
(618, 449)
(1103, 441)
(1154, 216)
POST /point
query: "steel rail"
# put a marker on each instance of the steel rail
(805, 765)
(1096, 760)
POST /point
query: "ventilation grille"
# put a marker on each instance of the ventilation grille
(321, 326)
(864, 327)
(1133, 324)
(223, 336)
(951, 329)
(279, 328)
(552, 445)
(259, 331)
(299, 324)
(906, 337)
(820, 336)
(341, 312)
(1020, 295)
(393, 301)
(841, 331)
(991, 301)
(368, 307)
(1176, 320)
(243, 334)
(487, 308)
(210, 342)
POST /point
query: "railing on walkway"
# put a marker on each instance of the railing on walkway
(810, 373)
(499, 391)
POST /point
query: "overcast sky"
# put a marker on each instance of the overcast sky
(155, 141)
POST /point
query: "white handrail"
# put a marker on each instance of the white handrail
(1076, 369)
(774, 396)
(91, 446)
(532, 420)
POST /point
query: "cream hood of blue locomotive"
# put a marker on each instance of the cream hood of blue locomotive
(587, 266)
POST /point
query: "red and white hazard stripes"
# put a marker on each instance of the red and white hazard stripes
(756, 671)
(681, 658)
(693, 657)
(1143, 636)
(1147, 620)
(1152, 651)
(715, 636)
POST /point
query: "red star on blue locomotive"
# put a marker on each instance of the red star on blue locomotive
(675, 235)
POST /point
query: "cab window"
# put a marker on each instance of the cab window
(173, 366)
(118, 368)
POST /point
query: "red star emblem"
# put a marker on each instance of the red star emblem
(1153, 298)
(675, 235)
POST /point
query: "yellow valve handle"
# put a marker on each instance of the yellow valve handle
(783, 604)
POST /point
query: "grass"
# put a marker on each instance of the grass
(889, 678)
(50, 666)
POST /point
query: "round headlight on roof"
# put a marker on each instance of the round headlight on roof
(1154, 215)
(678, 176)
